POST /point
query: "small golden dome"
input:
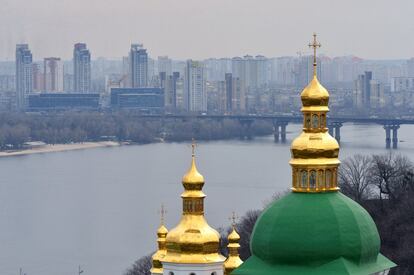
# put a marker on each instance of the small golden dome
(162, 231)
(193, 179)
(315, 94)
(233, 261)
(233, 237)
(158, 256)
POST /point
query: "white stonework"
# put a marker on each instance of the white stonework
(193, 269)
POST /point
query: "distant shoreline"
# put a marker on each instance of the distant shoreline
(48, 148)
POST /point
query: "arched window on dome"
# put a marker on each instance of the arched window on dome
(307, 120)
(304, 179)
(315, 121)
(321, 183)
(328, 178)
(170, 273)
(323, 121)
(312, 179)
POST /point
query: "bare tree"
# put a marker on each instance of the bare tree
(141, 266)
(388, 173)
(354, 177)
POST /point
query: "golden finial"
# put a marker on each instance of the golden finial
(315, 44)
(193, 176)
(162, 213)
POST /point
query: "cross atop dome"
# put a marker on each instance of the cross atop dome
(162, 213)
(315, 44)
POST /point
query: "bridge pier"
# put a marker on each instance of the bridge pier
(387, 136)
(394, 138)
(246, 131)
(338, 126)
(334, 129)
(279, 131)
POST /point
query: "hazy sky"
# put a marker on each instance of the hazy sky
(381, 29)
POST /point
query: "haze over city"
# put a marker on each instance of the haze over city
(202, 29)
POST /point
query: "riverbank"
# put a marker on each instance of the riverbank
(48, 148)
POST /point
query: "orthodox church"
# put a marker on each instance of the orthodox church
(313, 230)
(192, 247)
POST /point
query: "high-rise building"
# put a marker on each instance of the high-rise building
(164, 65)
(410, 67)
(362, 92)
(81, 68)
(169, 85)
(377, 99)
(38, 77)
(235, 101)
(24, 75)
(138, 66)
(195, 96)
(53, 74)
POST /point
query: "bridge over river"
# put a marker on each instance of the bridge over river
(280, 123)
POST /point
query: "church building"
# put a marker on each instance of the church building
(314, 230)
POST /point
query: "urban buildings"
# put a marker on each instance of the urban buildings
(362, 93)
(195, 96)
(146, 100)
(63, 101)
(164, 65)
(169, 84)
(81, 69)
(235, 100)
(53, 74)
(138, 66)
(24, 74)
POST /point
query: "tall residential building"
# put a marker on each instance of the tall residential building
(24, 75)
(410, 67)
(235, 101)
(362, 93)
(81, 68)
(195, 96)
(377, 99)
(138, 66)
(169, 84)
(38, 77)
(53, 74)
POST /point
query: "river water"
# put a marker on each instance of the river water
(98, 207)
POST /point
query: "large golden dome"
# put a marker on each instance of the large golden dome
(193, 240)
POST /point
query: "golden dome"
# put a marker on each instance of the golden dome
(315, 152)
(315, 95)
(233, 261)
(193, 240)
(160, 254)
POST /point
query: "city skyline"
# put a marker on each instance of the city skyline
(195, 30)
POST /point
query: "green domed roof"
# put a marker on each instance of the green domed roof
(322, 233)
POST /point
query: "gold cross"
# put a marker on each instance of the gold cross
(162, 213)
(233, 219)
(315, 44)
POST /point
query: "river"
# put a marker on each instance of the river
(98, 207)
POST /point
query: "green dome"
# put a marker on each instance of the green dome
(322, 233)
